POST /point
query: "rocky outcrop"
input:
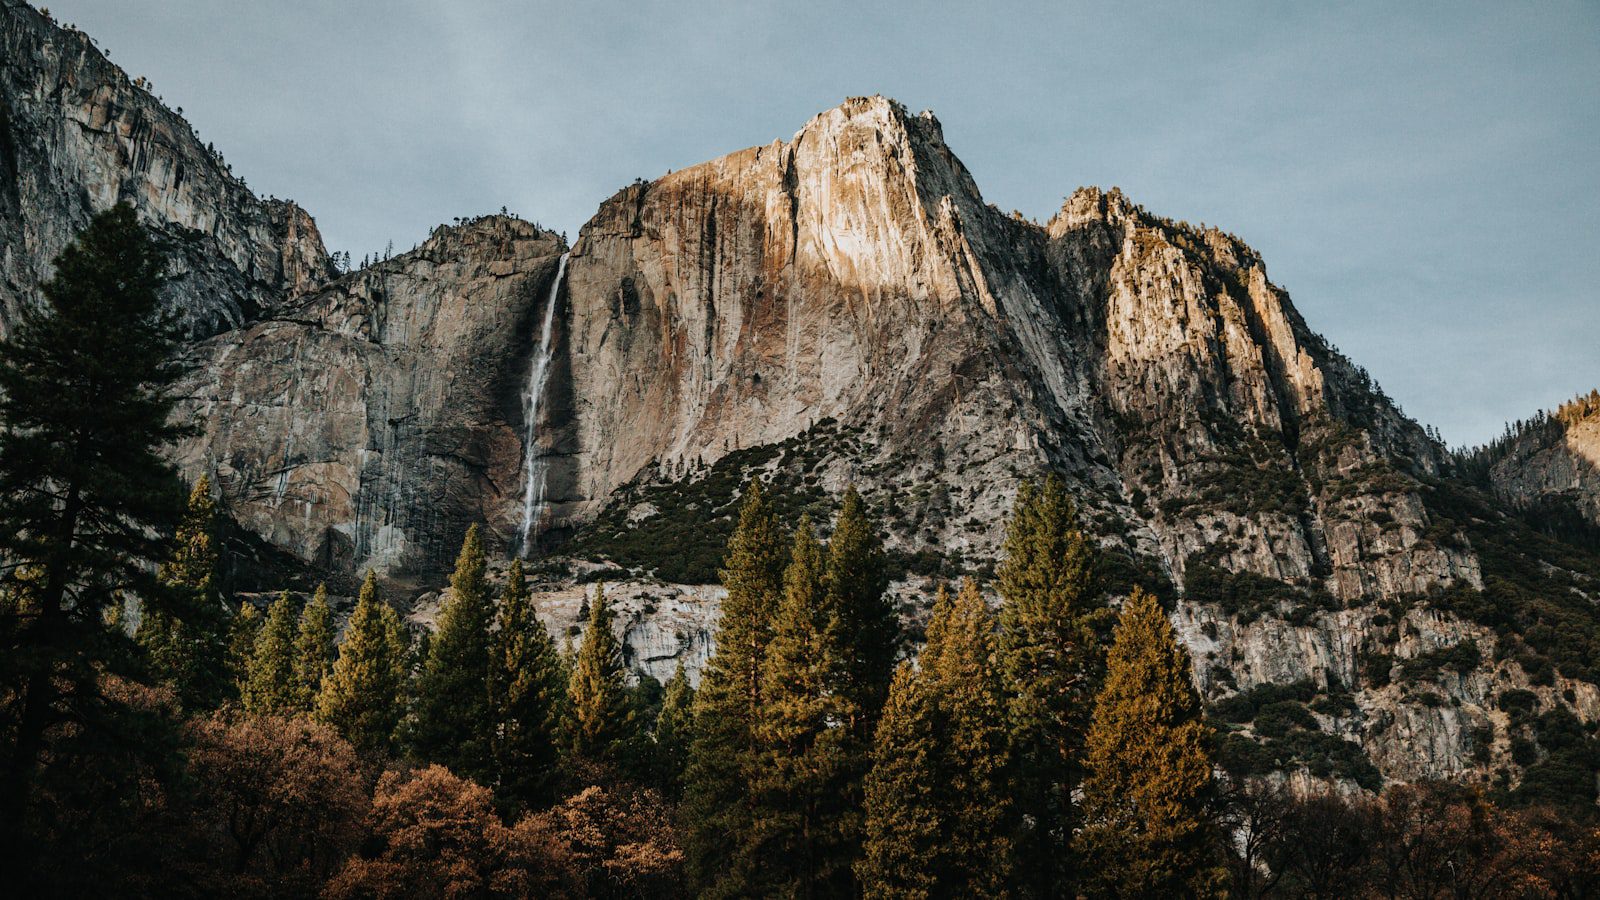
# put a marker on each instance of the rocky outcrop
(1551, 463)
(844, 308)
(839, 308)
(367, 425)
(77, 135)
(854, 273)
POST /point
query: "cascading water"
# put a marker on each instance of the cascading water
(533, 465)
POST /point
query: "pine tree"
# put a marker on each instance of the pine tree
(529, 684)
(314, 649)
(1050, 664)
(674, 727)
(87, 498)
(717, 804)
(602, 723)
(1149, 783)
(361, 698)
(936, 805)
(185, 639)
(451, 723)
(857, 577)
(242, 634)
(271, 688)
(958, 663)
(807, 818)
(905, 828)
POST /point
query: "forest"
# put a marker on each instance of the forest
(1043, 737)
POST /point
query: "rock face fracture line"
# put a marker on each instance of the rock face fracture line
(533, 465)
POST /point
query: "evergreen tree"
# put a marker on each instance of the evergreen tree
(1050, 663)
(857, 577)
(674, 727)
(717, 804)
(314, 649)
(905, 829)
(807, 819)
(185, 640)
(451, 723)
(936, 805)
(361, 698)
(242, 634)
(87, 499)
(271, 688)
(528, 683)
(1149, 783)
(602, 723)
(958, 664)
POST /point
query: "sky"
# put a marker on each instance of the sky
(1421, 177)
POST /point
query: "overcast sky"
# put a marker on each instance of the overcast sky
(1422, 177)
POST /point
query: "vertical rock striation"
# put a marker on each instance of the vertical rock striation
(367, 425)
(77, 135)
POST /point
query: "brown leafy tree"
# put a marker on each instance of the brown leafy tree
(281, 800)
(431, 835)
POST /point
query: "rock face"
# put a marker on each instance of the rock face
(1552, 461)
(367, 425)
(840, 308)
(855, 273)
(76, 136)
(850, 287)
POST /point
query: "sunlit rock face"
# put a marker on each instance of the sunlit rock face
(855, 273)
(1555, 463)
(841, 308)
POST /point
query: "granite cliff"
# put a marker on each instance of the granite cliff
(1549, 463)
(77, 135)
(842, 308)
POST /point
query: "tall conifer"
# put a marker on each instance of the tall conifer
(88, 497)
(717, 803)
(958, 664)
(271, 688)
(807, 823)
(185, 639)
(1145, 829)
(527, 693)
(858, 576)
(450, 723)
(905, 829)
(674, 727)
(314, 648)
(362, 696)
(602, 721)
(1050, 663)
(936, 798)
(242, 634)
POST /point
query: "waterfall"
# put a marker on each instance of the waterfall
(533, 465)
